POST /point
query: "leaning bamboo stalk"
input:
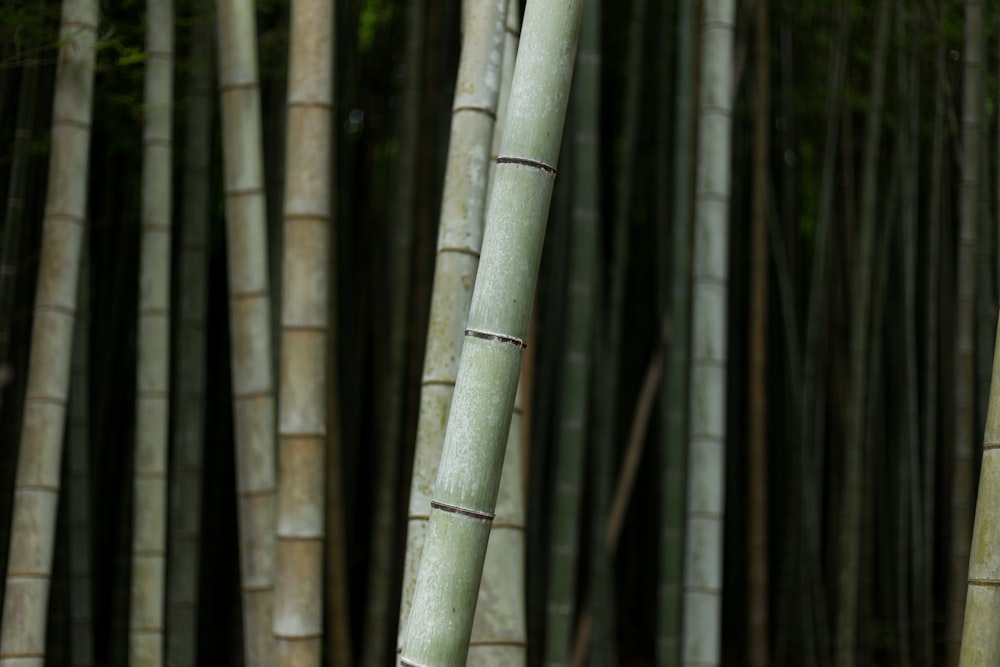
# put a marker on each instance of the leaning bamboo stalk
(36, 491)
(459, 240)
(147, 606)
(499, 632)
(465, 491)
(250, 321)
(980, 640)
(302, 422)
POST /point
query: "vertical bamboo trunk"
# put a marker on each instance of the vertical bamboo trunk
(675, 390)
(10, 254)
(465, 492)
(964, 381)
(32, 536)
(78, 483)
(250, 322)
(929, 398)
(759, 648)
(499, 632)
(382, 589)
(912, 567)
(298, 608)
(610, 339)
(980, 640)
(571, 446)
(459, 240)
(189, 427)
(153, 363)
(13, 222)
(850, 531)
(707, 430)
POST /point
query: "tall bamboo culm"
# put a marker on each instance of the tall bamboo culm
(250, 322)
(964, 380)
(465, 492)
(710, 268)
(980, 640)
(674, 395)
(189, 426)
(78, 483)
(36, 492)
(499, 632)
(302, 422)
(460, 234)
(149, 528)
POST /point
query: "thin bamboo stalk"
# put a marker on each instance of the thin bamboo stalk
(146, 611)
(759, 633)
(676, 372)
(32, 537)
(78, 485)
(189, 426)
(960, 520)
(250, 322)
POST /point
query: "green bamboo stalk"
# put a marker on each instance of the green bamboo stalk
(499, 628)
(980, 640)
(460, 233)
(189, 426)
(964, 381)
(758, 620)
(571, 446)
(250, 321)
(302, 422)
(391, 363)
(707, 428)
(676, 372)
(32, 537)
(78, 486)
(479, 423)
(153, 341)
(855, 446)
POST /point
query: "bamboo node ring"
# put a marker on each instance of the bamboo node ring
(500, 338)
(485, 517)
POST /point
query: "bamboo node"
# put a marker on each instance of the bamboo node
(485, 517)
(500, 338)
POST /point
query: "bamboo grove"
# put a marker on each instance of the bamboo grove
(499, 332)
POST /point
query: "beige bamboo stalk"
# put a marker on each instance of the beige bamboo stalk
(36, 490)
(980, 639)
(702, 622)
(499, 629)
(250, 322)
(298, 595)
(961, 481)
(188, 434)
(459, 240)
(152, 408)
(78, 483)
